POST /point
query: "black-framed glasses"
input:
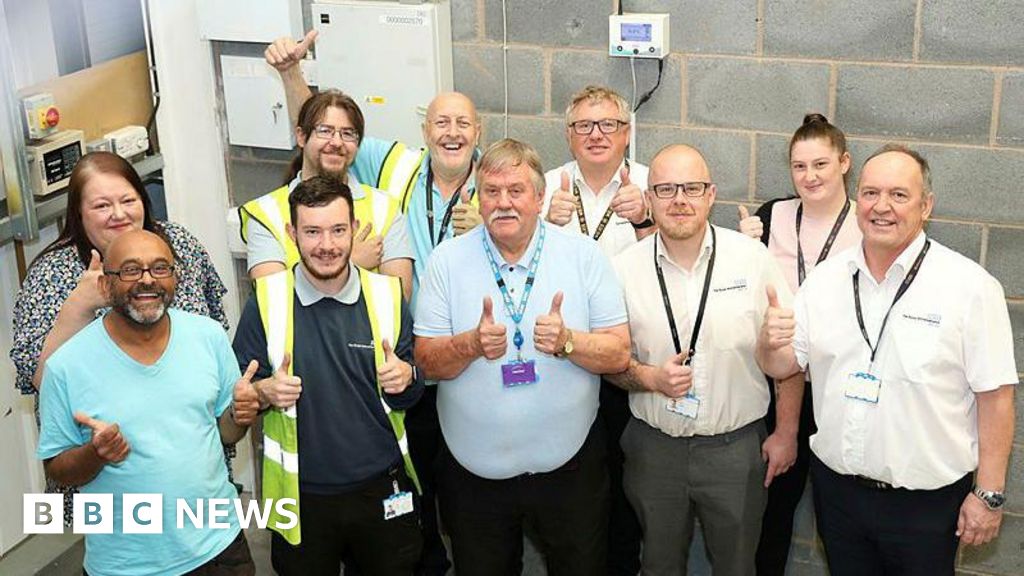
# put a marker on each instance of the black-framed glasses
(668, 190)
(132, 273)
(606, 126)
(325, 132)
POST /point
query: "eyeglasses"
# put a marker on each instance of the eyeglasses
(325, 132)
(606, 126)
(668, 190)
(134, 273)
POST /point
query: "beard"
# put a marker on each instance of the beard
(148, 314)
(325, 272)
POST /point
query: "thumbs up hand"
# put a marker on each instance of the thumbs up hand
(465, 216)
(491, 338)
(549, 332)
(779, 324)
(750, 225)
(282, 390)
(394, 375)
(285, 52)
(88, 294)
(563, 203)
(245, 401)
(628, 201)
(674, 378)
(107, 441)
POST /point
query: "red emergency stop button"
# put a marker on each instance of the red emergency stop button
(52, 117)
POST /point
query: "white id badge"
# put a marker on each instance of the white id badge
(685, 406)
(397, 505)
(863, 386)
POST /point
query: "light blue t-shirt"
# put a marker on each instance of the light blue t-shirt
(497, 432)
(168, 414)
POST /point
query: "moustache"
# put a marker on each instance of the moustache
(502, 214)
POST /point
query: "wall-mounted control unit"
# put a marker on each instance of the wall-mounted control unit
(51, 159)
(128, 141)
(41, 115)
(638, 35)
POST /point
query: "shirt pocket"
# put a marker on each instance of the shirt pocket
(915, 351)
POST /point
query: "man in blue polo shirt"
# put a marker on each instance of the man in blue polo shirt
(150, 418)
(518, 390)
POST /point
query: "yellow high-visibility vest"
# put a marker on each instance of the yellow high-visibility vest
(275, 295)
(271, 210)
(399, 171)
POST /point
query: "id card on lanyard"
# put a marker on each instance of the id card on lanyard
(865, 385)
(689, 405)
(519, 372)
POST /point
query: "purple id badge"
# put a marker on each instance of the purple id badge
(518, 373)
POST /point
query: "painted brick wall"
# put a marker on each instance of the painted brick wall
(946, 76)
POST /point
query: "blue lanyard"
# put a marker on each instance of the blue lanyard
(510, 308)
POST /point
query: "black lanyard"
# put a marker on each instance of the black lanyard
(582, 217)
(447, 219)
(907, 281)
(800, 270)
(700, 309)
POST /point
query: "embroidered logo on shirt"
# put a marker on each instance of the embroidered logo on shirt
(363, 346)
(737, 284)
(928, 319)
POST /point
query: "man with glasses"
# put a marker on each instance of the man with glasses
(329, 130)
(694, 449)
(148, 419)
(598, 194)
(910, 349)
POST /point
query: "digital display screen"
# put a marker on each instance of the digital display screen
(635, 32)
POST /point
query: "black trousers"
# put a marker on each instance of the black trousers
(785, 492)
(424, 431)
(888, 532)
(567, 509)
(624, 531)
(351, 526)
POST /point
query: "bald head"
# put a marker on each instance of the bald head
(134, 245)
(452, 101)
(679, 158)
(451, 131)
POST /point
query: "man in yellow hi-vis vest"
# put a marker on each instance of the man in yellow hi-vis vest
(440, 202)
(329, 130)
(339, 341)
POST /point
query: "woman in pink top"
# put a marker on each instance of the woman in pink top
(801, 232)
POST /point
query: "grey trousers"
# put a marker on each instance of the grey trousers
(716, 479)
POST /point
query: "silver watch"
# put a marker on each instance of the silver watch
(992, 499)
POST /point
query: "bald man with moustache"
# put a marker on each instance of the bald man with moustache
(150, 417)
(696, 446)
(438, 195)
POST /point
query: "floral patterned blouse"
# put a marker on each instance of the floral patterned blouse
(52, 278)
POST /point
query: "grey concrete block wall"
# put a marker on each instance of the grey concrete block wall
(761, 95)
(947, 104)
(945, 75)
(1011, 111)
(987, 32)
(838, 29)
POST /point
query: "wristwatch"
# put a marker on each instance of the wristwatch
(567, 348)
(992, 499)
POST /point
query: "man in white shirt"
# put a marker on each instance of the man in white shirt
(910, 348)
(696, 447)
(598, 194)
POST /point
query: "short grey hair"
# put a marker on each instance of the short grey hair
(922, 163)
(595, 94)
(508, 153)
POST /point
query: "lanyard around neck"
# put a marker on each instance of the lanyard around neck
(800, 267)
(700, 309)
(514, 312)
(904, 286)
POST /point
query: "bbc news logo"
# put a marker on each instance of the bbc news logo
(144, 513)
